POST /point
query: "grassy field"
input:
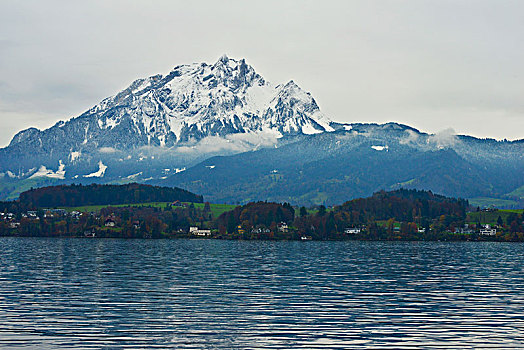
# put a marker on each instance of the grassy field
(216, 209)
(384, 223)
(490, 217)
(95, 208)
(485, 202)
(519, 192)
(11, 189)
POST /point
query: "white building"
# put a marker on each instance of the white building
(198, 232)
(351, 230)
(488, 231)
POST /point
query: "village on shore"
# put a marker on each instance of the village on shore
(396, 215)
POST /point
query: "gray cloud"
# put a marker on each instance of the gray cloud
(429, 64)
(412, 137)
(444, 138)
(231, 143)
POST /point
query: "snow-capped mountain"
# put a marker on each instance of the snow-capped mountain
(199, 100)
(167, 128)
(194, 110)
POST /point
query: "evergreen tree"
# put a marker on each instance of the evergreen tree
(303, 211)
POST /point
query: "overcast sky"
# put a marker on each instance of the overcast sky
(429, 64)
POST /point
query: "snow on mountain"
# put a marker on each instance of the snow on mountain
(74, 155)
(44, 172)
(165, 125)
(199, 100)
(192, 112)
(100, 172)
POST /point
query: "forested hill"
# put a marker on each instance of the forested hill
(405, 205)
(78, 195)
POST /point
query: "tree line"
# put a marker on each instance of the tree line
(395, 215)
(95, 194)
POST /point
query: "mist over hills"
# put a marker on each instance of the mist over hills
(331, 167)
(223, 131)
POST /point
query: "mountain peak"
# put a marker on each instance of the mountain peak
(187, 105)
(223, 58)
(24, 135)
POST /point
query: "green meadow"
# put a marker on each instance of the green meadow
(216, 209)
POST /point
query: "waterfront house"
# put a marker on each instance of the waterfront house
(282, 227)
(195, 231)
(351, 230)
(488, 231)
(75, 214)
(466, 230)
(260, 230)
(14, 224)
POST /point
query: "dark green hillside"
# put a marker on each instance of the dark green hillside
(405, 205)
(307, 175)
(78, 195)
(396, 215)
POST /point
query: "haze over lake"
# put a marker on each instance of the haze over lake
(106, 293)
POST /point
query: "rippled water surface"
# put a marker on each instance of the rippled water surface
(98, 293)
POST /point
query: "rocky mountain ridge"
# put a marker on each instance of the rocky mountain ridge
(166, 129)
(226, 102)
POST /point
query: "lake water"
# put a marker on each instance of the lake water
(103, 293)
